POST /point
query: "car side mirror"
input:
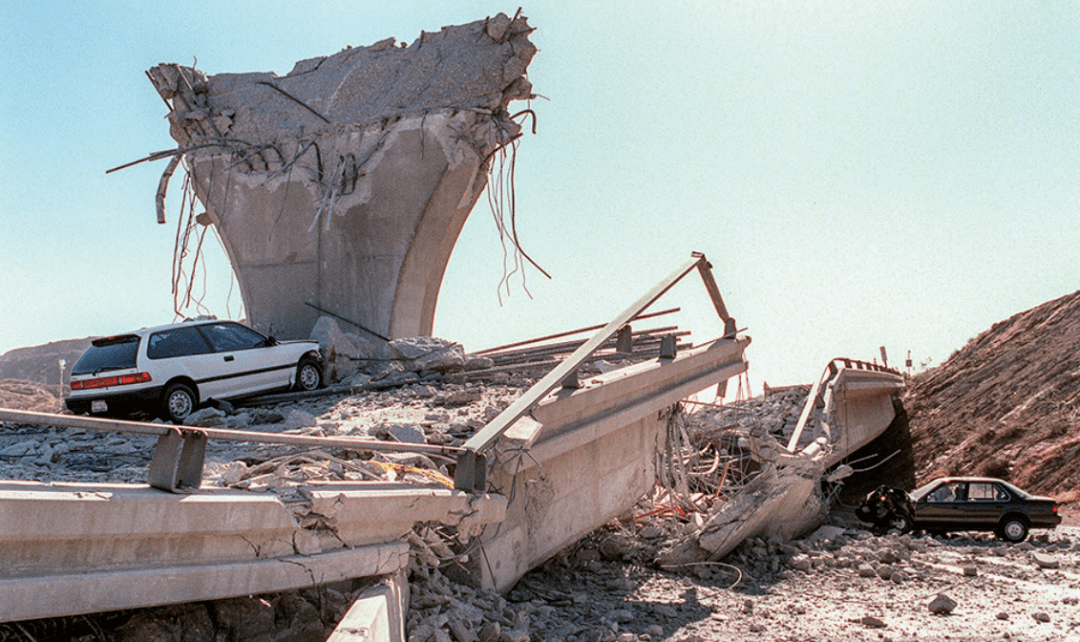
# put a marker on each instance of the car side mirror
(271, 342)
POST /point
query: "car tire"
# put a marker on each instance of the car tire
(1013, 529)
(178, 402)
(309, 374)
(901, 521)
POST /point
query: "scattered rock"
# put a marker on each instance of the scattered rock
(297, 419)
(474, 362)
(942, 605)
(265, 416)
(407, 433)
(462, 630)
(207, 418)
(342, 353)
(622, 616)
(1046, 561)
(490, 632)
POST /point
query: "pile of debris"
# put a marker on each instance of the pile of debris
(614, 585)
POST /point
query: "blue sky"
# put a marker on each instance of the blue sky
(859, 173)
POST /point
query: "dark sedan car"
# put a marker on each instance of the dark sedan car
(961, 504)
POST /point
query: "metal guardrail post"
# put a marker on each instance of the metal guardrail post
(668, 347)
(470, 471)
(178, 460)
(624, 340)
(705, 269)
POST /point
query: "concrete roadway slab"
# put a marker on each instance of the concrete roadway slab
(67, 549)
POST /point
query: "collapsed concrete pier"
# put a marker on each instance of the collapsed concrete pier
(846, 409)
(341, 187)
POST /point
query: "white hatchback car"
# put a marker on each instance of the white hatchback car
(170, 370)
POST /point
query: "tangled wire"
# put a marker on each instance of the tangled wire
(503, 204)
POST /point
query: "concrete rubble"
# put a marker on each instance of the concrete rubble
(341, 187)
(770, 489)
(319, 526)
(840, 581)
(625, 424)
(612, 585)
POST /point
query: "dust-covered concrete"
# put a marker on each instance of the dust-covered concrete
(343, 185)
(840, 583)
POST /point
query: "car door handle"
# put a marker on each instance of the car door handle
(229, 357)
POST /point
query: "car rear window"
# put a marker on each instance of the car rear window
(178, 342)
(111, 353)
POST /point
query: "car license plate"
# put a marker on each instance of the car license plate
(99, 406)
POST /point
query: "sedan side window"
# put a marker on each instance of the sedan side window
(983, 491)
(226, 337)
(178, 342)
(947, 493)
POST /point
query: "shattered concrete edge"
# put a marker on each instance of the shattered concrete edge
(343, 185)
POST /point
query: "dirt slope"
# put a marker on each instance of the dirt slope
(1006, 405)
(40, 363)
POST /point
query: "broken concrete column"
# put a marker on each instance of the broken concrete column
(343, 185)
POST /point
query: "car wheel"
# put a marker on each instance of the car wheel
(308, 374)
(1013, 529)
(177, 403)
(901, 522)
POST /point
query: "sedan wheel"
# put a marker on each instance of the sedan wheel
(1014, 530)
(901, 522)
(178, 403)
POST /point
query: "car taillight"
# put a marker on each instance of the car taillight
(108, 382)
(1055, 508)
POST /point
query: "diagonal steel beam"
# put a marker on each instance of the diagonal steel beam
(485, 438)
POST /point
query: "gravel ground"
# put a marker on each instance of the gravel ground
(845, 583)
(852, 586)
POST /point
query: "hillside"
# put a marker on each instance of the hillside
(1006, 405)
(41, 363)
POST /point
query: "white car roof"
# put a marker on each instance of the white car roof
(169, 326)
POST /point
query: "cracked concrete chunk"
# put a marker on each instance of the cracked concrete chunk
(1045, 561)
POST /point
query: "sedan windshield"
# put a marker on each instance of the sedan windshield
(919, 492)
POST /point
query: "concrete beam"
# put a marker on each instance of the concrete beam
(79, 548)
(65, 594)
(862, 409)
(377, 615)
(856, 399)
(594, 456)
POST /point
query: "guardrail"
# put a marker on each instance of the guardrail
(181, 450)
